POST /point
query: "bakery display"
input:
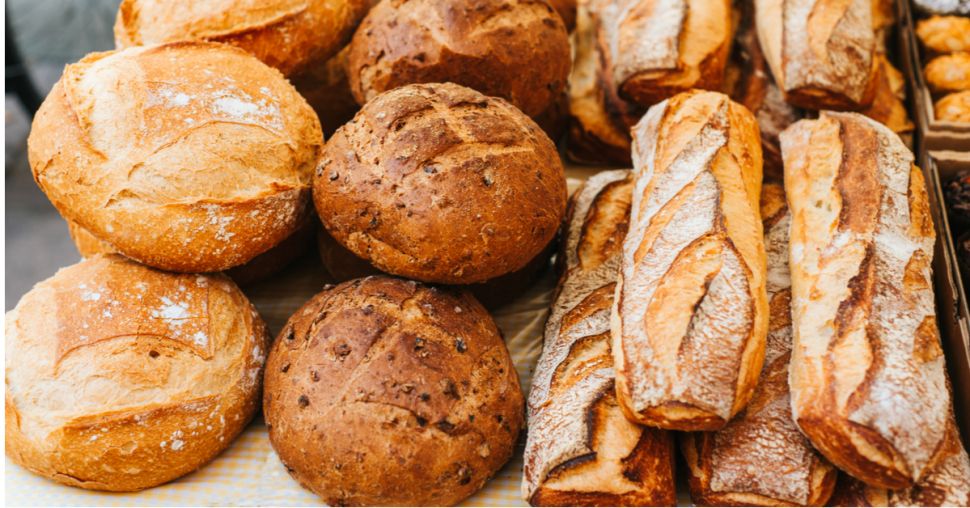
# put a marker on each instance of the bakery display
(867, 373)
(286, 34)
(820, 51)
(200, 138)
(382, 391)
(944, 34)
(440, 183)
(761, 458)
(948, 73)
(491, 46)
(581, 450)
(690, 314)
(120, 377)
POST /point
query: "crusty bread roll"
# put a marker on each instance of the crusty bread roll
(820, 51)
(381, 391)
(867, 374)
(514, 49)
(581, 450)
(888, 106)
(439, 183)
(948, 484)
(286, 34)
(120, 377)
(944, 34)
(954, 107)
(948, 73)
(691, 312)
(761, 458)
(190, 157)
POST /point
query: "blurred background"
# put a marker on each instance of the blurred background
(46, 35)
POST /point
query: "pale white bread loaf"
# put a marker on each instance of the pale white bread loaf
(820, 51)
(290, 35)
(581, 450)
(867, 376)
(191, 157)
(761, 458)
(691, 313)
(121, 377)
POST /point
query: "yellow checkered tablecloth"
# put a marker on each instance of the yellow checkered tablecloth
(249, 472)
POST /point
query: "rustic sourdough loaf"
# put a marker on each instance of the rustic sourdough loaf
(121, 377)
(867, 374)
(190, 157)
(690, 315)
(381, 391)
(581, 450)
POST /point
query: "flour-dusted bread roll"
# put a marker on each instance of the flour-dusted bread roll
(514, 49)
(581, 450)
(867, 374)
(190, 157)
(948, 73)
(289, 35)
(120, 377)
(820, 51)
(381, 391)
(440, 183)
(954, 107)
(761, 458)
(944, 34)
(691, 312)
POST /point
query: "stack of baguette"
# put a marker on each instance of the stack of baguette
(755, 293)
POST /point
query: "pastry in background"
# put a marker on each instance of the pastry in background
(954, 107)
(889, 106)
(190, 156)
(284, 34)
(581, 450)
(120, 377)
(386, 392)
(867, 375)
(439, 183)
(961, 7)
(944, 34)
(514, 49)
(948, 73)
(690, 315)
(761, 458)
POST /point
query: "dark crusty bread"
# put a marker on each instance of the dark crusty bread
(761, 458)
(381, 391)
(439, 183)
(514, 49)
(581, 450)
(120, 377)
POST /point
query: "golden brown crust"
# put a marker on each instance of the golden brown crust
(944, 34)
(889, 107)
(581, 450)
(191, 157)
(514, 49)
(286, 34)
(691, 312)
(867, 374)
(381, 391)
(948, 73)
(954, 107)
(120, 377)
(440, 183)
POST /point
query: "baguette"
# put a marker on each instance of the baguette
(820, 51)
(580, 448)
(867, 374)
(691, 312)
(761, 458)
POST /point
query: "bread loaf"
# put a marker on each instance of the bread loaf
(761, 458)
(690, 315)
(381, 391)
(514, 49)
(888, 106)
(820, 51)
(944, 34)
(581, 450)
(954, 107)
(190, 157)
(948, 73)
(867, 372)
(439, 183)
(120, 377)
(289, 35)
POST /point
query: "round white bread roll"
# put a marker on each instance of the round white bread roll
(190, 157)
(120, 377)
